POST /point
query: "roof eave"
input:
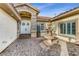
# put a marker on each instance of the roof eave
(10, 10)
(37, 10)
(66, 14)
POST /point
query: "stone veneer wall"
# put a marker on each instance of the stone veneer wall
(33, 18)
(34, 26)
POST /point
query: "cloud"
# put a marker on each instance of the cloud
(54, 12)
(53, 9)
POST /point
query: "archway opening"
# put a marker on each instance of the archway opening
(25, 14)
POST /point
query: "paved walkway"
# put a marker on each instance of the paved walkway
(64, 50)
(73, 49)
(30, 47)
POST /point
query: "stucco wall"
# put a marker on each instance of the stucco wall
(8, 29)
(67, 38)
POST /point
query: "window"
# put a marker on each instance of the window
(68, 28)
(61, 28)
(23, 24)
(64, 28)
(73, 28)
(27, 23)
(42, 26)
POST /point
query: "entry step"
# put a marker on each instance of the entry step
(24, 36)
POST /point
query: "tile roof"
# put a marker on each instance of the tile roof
(43, 18)
(64, 13)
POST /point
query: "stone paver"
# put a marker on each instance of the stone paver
(30, 47)
(73, 49)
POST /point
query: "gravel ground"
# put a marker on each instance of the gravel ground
(73, 49)
(30, 47)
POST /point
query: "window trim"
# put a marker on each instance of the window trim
(67, 35)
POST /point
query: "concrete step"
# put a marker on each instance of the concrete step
(24, 36)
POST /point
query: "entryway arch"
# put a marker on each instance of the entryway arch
(25, 26)
(25, 14)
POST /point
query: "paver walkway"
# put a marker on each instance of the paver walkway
(64, 50)
(30, 47)
(73, 49)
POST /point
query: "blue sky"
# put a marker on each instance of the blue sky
(53, 9)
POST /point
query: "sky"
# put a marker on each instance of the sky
(53, 9)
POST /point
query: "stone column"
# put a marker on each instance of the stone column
(33, 25)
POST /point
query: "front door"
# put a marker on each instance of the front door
(25, 27)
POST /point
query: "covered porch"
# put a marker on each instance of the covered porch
(27, 25)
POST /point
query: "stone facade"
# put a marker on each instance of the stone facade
(34, 12)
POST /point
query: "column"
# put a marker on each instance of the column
(77, 30)
(33, 25)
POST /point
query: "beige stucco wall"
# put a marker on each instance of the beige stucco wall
(8, 30)
(55, 25)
